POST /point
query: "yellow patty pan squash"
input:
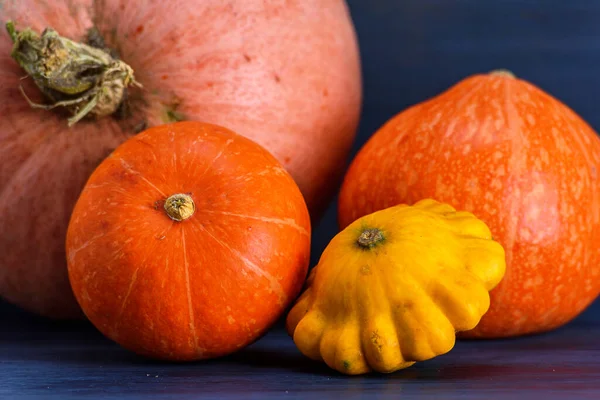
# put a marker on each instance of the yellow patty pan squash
(395, 286)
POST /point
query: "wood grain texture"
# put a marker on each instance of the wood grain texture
(39, 359)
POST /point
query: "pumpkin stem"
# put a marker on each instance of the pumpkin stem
(85, 80)
(369, 238)
(180, 207)
(503, 72)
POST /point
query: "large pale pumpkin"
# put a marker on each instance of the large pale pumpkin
(521, 161)
(187, 242)
(285, 74)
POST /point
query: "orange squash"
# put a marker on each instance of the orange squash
(283, 74)
(521, 161)
(187, 242)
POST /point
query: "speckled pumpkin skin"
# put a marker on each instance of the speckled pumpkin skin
(225, 62)
(520, 160)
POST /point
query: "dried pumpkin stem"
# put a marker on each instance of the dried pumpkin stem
(503, 72)
(180, 207)
(369, 238)
(83, 79)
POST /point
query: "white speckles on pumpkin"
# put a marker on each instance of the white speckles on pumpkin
(469, 205)
(544, 156)
(577, 188)
(532, 282)
(525, 234)
(442, 188)
(434, 121)
(450, 129)
(496, 84)
(470, 111)
(490, 209)
(586, 138)
(496, 184)
(560, 141)
(498, 124)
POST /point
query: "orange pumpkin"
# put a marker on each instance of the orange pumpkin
(284, 74)
(520, 160)
(187, 242)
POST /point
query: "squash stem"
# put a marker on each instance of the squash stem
(85, 80)
(180, 207)
(503, 72)
(369, 238)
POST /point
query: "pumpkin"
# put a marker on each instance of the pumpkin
(187, 242)
(519, 159)
(394, 286)
(152, 62)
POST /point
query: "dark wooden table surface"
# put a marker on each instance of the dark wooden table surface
(43, 360)
(411, 50)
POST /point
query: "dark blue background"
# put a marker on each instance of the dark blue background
(411, 50)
